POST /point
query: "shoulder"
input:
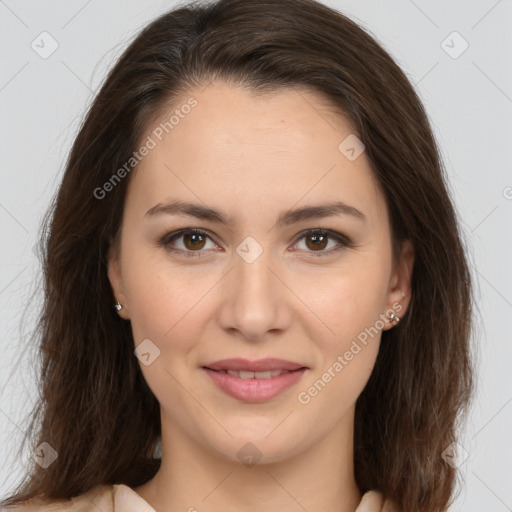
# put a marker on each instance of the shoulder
(98, 498)
(373, 501)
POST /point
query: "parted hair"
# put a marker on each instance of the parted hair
(95, 408)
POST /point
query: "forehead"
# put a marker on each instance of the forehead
(234, 147)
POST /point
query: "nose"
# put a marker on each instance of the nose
(255, 297)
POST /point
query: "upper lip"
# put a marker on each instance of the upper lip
(261, 365)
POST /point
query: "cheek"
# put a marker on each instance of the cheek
(347, 331)
(166, 301)
(347, 340)
(346, 303)
(166, 307)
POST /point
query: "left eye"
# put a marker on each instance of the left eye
(317, 238)
(194, 241)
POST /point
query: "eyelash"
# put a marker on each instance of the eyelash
(343, 241)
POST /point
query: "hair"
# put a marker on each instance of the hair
(95, 408)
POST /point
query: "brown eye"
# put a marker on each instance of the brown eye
(318, 241)
(193, 241)
(188, 242)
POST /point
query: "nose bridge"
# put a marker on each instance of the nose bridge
(253, 279)
(252, 273)
(254, 303)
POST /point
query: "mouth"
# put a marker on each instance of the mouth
(256, 381)
(258, 366)
(246, 374)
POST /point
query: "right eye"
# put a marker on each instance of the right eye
(193, 240)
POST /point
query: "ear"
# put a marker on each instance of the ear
(116, 279)
(399, 293)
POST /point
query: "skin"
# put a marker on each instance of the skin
(254, 157)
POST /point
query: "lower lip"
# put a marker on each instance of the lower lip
(254, 390)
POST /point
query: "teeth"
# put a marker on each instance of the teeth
(243, 374)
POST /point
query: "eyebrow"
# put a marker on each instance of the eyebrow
(286, 218)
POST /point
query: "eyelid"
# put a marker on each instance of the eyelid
(343, 240)
(173, 235)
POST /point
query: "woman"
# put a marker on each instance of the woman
(257, 190)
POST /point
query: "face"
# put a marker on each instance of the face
(257, 281)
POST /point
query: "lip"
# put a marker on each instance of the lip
(254, 390)
(261, 365)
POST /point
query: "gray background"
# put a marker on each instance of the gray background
(469, 100)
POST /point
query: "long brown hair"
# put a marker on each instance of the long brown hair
(95, 407)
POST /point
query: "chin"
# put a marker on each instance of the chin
(259, 447)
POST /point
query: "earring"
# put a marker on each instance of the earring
(394, 318)
(118, 306)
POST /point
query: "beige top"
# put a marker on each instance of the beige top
(121, 498)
